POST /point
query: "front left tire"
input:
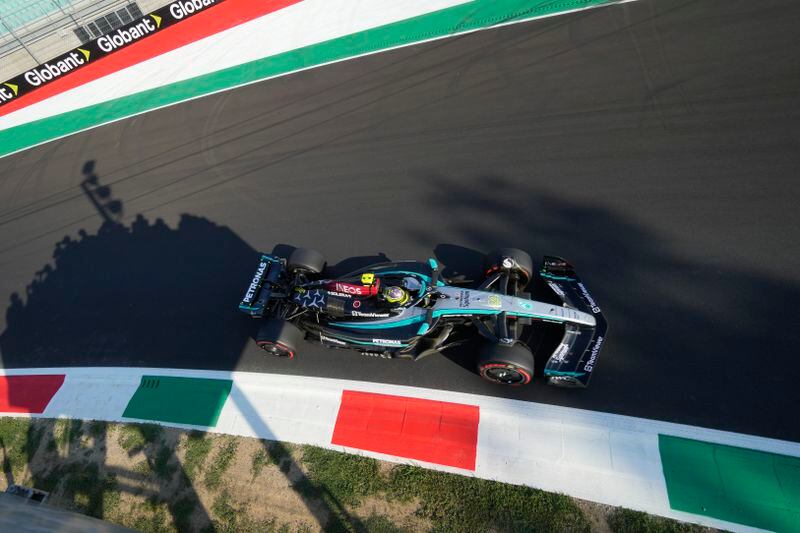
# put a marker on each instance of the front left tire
(519, 262)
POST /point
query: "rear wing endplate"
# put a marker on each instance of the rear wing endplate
(259, 289)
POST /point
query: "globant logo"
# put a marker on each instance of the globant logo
(112, 41)
(183, 9)
(48, 71)
(5, 94)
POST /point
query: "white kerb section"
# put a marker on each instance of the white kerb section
(303, 24)
(610, 459)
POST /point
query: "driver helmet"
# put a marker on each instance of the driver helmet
(396, 295)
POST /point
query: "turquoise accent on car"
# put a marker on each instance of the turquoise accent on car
(423, 328)
(423, 286)
(562, 373)
(560, 278)
(432, 262)
(436, 314)
(398, 324)
(445, 312)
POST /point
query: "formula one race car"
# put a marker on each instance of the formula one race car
(407, 309)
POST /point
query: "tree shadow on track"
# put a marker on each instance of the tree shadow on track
(129, 295)
(144, 293)
(688, 342)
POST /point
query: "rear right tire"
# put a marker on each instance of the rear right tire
(279, 338)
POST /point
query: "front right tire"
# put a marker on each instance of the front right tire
(506, 365)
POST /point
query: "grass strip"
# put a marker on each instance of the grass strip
(134, 437)
(260, 459)
(626, 521)
(222, 461)
(197, 449)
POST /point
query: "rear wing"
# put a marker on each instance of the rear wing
(573, 361)
(259, 290)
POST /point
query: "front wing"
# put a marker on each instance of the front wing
(575, 358)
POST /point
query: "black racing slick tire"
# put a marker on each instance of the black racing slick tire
(522, 263)
(506, 365)
(279, 338)
(307, 260)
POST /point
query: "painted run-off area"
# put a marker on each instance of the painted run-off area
(158, 479)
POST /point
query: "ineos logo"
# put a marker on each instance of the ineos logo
(341, 287)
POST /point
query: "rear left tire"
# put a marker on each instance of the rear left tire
(306, 260)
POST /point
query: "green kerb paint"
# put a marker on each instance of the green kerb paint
(193, 401)
(452, 21)
(739, 485)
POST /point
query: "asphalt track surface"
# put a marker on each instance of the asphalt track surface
(655, 144)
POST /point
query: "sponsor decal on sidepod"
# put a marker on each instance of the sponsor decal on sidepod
(386, 341)
(371, 315)
(332, 340)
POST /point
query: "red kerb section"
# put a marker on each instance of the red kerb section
(426, 430)
(216, 19)
(28, 394)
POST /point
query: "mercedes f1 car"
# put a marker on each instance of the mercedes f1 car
(407, 309)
